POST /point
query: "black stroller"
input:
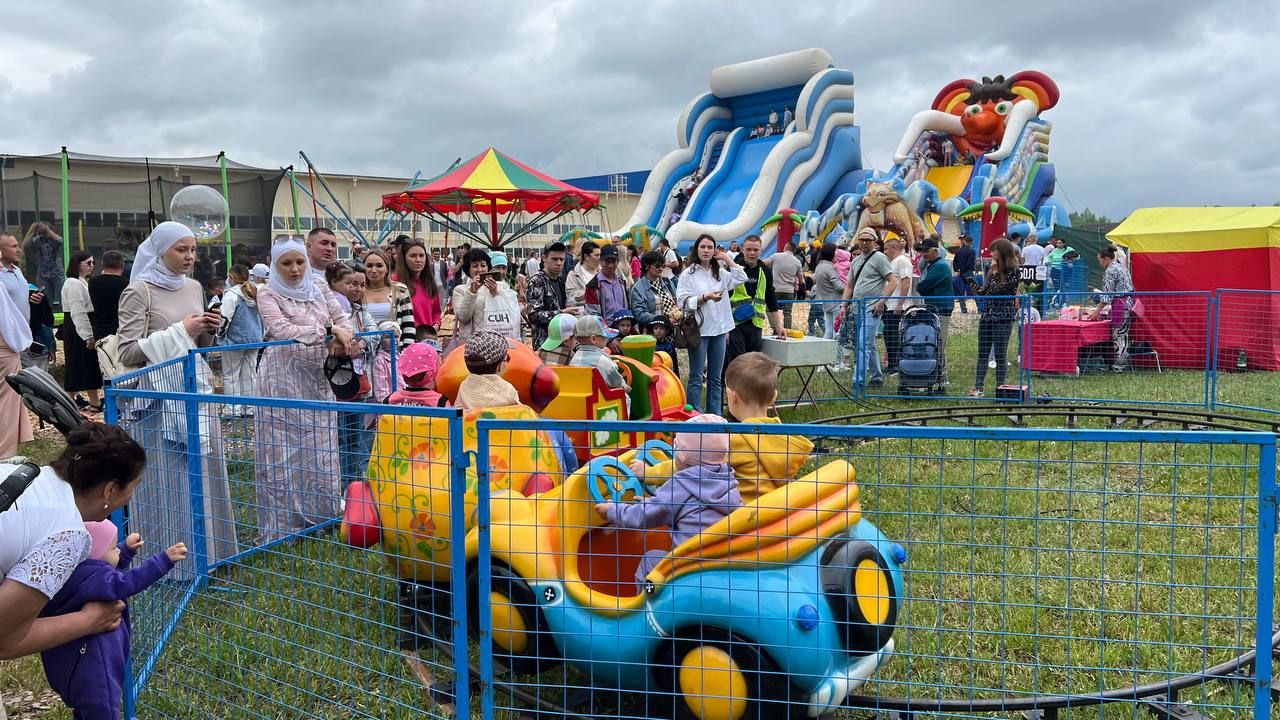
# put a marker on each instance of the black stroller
(42, 394)
(920, 369)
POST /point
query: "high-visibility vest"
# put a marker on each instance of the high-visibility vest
(739, 297)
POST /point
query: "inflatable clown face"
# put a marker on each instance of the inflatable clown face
(984, 118)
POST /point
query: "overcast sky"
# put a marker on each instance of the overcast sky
(1163, 103)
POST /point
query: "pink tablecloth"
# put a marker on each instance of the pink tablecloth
(1054, 345)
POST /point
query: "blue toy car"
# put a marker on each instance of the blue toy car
(782, 609)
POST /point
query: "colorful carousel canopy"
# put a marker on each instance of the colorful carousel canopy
(492, 184)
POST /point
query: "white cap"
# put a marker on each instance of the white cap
(260, 271)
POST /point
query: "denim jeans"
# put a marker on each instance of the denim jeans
(785, 300)
(993, 337)
(868, 366)
(355, 442)
(708, 357)
(814, 322)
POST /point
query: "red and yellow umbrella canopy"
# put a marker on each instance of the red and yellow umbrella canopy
(491, 183)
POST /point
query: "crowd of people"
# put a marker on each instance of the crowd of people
(709, 311)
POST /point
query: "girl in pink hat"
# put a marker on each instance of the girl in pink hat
(418, 366)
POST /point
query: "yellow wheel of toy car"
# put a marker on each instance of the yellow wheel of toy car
(859, 587)
(718, 676)
(521, 638)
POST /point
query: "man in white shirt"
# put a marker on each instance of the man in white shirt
(1033, 254)
(670, 260)
(532, 266)
(901, 301)
(11, 278)
(440, 268)
(322, 249)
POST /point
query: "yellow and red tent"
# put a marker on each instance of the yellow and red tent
(492, 183)
(1207, 249)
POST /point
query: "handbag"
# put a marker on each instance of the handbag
(688, 333)
(108, 348)
(666, 303)
(502, 314)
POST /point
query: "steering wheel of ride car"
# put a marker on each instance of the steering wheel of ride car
(648, 452)
(609, 472)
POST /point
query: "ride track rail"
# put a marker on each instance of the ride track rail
(1159, 698)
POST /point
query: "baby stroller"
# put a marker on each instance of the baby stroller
(919, 371)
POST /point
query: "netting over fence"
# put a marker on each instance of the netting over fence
(800, 569)
(118, 215)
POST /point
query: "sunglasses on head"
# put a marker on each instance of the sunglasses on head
(352, 265)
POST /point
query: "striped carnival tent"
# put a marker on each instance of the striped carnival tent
(494, 184)
(1208, 249)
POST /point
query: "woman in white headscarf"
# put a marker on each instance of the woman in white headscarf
(296, 450)
(163, 316)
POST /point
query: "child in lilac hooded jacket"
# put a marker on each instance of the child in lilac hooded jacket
(703, 491)
(88, 673)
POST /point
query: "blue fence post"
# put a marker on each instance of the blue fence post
(857, 332)
(1211, 343)
(394, 351)
(458, 461)
(195, 468)
(1024, 349)
(1268, 516)
(483, 571)
(111, 415)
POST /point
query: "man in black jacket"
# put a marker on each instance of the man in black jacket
(545, 297)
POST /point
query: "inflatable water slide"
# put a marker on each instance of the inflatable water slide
(979, 139)
(746, 176)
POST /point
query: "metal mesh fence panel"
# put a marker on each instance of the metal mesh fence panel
(1141, 347)
(790, 571)
(1246, 349)
(282, 610)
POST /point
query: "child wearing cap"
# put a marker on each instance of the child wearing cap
(418, 366)
(703, 491)
(88, 673)
(623, 323)
(486, 356)
(592, 336)
(558, 348)
(660, 329)
(429, 335)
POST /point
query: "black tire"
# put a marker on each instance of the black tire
(842, 561)
(769, 694)
(538, 652)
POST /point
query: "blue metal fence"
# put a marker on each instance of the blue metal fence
(1195, 349)
(1001, 570)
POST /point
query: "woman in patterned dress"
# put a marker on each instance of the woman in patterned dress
(297, 449)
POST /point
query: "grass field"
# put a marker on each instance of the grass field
(1035, 567)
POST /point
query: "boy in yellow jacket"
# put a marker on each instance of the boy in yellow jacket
(761, 463)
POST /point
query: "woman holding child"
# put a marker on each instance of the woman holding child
(46, 538)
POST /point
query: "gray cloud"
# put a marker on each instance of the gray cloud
(1162, 102)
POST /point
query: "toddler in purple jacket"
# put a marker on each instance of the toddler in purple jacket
(88, 673)
(703, 491)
